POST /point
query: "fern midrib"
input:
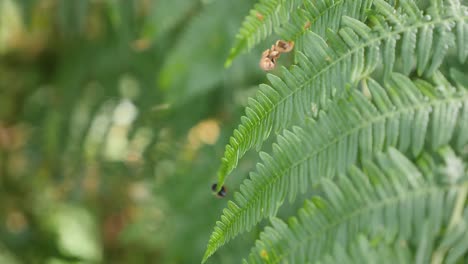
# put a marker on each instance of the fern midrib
(257, 195)
(394, 199)
(325, 69)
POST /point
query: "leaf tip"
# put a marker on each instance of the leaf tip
(207, 255)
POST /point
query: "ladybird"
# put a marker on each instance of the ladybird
(222, 193)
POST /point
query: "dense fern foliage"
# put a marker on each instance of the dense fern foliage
(372, 118)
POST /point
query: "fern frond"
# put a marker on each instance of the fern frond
(393, 197)
(260, 23)
(292, 20)
(331, 69)
(321, 16)
(372, 249)
(364, 250)
(403, 115)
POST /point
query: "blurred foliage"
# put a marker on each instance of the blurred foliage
(110, 119)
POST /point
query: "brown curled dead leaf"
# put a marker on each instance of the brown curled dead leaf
(284, 46)
(270, 56)
(267, 64)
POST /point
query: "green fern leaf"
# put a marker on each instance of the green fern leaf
(321, 16)
(459, 10)
(363, 250)
(260, 23)
(393, 197)
(318, 16)
(397, 117)
(331, 68)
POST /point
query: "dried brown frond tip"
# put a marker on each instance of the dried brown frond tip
(267, 64)
(270, 56)
(284, 46)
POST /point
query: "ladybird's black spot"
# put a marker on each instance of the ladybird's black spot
(222, 193)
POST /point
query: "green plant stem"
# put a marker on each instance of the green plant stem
(457, 216)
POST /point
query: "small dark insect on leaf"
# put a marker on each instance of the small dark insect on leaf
(222, 193)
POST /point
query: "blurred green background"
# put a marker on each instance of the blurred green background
(113, 117)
